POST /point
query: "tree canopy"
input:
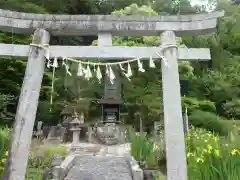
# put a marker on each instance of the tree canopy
(211, 87)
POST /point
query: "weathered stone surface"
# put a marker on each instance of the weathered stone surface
(107, 53)
(100, 168)
(61, 171)
(118, 25)
(46, 130)
(111, 162)
(56, 134)
(153, 174)
(56, 160)
(46, 174)
(148, 175)
(137, 172)
(173, 122)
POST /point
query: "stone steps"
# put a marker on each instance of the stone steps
(100, 162)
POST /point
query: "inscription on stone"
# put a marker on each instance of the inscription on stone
(97, 25)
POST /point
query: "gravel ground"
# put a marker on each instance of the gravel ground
(100, 168)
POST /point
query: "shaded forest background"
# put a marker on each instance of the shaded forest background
(210, 90)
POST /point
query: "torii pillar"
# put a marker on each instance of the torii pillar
(173, 121)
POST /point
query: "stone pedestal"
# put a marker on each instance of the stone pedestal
(76, 133)
(75, 139)
(75, 123)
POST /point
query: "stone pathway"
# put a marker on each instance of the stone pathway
(100, 168)
(109, 163)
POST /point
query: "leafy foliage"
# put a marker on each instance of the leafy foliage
(209, 121)
(5, 139)
(5, 102)
(211, 157)
(195, 104)
(214, 89)
(145, 150)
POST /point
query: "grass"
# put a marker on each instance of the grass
(43, 153)
(147, 152)
(5, 140)
(39, 158)
(34, 173)
(211, 158)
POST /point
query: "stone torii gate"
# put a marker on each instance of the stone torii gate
(105, 26)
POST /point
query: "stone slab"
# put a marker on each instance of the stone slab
(137, 172)
(66, 165)
(107, 53)
(100, 168)
(26, 23)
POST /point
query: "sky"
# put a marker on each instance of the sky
(201, 2)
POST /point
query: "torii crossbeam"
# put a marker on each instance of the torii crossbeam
(107, 53)
(42, 25)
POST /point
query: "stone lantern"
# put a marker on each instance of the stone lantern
(75, 128)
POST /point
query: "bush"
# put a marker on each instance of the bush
(3, 163)
(41, 159)
(6, 116)
(145, 150)
(208, 121)
(46, 116)
(34, 173)
(5, 139)
(43, 155)
(194, 104)
(232, 108)
(51, 150)
(208, 106)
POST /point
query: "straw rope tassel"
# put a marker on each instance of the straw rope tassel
(52, 90)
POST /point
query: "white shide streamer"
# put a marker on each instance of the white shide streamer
(80, 71)
(55, 62)
(151, 62)
(87, 72)
(140, 66)
(99, 74)
(112, 76)
(129, 71)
